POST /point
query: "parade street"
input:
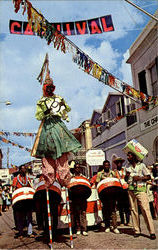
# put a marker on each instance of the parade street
(96, 239)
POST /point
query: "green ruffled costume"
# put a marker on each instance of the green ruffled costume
(53, 138)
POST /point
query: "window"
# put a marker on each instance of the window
(142, 82)
(154, 77)
(143, 87)
(119, 110)
(156, 149)
(108, 114)
(131, 118)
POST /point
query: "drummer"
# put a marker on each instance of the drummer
(42, 212)
(109, 203)
(79, 206)
(123, 199)
(23, 212)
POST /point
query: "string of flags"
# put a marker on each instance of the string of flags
(105, 123)
(14, 144)
(5, 133)
(41, 27)
(74, 131)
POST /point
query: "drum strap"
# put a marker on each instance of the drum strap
(23, 184)
(119, 175)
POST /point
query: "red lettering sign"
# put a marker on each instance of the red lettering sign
(15, 26)
(104, 25)
(68, 29)
(81, 30)
(28, 30)
(94, 27)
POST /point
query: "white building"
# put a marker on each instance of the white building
(144, 64)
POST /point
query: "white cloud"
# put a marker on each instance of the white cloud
(125, 69)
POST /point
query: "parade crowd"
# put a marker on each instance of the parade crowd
(139, 195)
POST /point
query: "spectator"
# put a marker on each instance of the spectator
(155, 186)
(138, 175)
(1, 201)
(4, 199)
(8, 199)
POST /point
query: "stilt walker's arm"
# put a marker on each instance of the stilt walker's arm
(49, 219)
(69, 217)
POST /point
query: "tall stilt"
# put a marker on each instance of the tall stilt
(49, 219)
(69, 217)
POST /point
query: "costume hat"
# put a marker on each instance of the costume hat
(118, 159)
(48, 83)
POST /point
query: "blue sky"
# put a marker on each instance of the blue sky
(22, 57)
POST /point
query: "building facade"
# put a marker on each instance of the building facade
(144, 64)
(111, 136)
(119, 124)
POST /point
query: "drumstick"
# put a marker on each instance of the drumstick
(49, 219)
(69, 217)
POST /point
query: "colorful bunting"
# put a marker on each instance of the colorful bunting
(13, 144)
(17, 133)
(44, 29)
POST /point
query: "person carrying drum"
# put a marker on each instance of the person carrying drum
(23, 210)
(79, 206)
(41, 208)
(138, 175)
(109, 201)
(123, 200)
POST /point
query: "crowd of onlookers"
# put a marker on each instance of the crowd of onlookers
(5, 198)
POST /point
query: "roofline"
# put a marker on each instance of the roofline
(144, 33)
(108, 97)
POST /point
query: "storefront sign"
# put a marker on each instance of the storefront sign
(95, 157)
(149, 123)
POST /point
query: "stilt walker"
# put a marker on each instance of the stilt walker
(54, 141)
(69, 217)
(49, 220)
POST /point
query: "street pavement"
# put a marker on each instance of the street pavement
(96, 239)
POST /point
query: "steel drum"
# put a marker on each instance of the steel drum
(109, 187)
(22, 194)
(79, 186)
(54, 191)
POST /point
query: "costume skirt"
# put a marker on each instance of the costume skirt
(53, 139)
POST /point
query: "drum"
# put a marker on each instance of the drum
(54, 191)
(109, 188)
(22, 194)
(79, 186)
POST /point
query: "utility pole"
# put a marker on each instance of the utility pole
(8, 157)
(154, 17)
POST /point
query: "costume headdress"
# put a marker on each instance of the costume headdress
(48, 80)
